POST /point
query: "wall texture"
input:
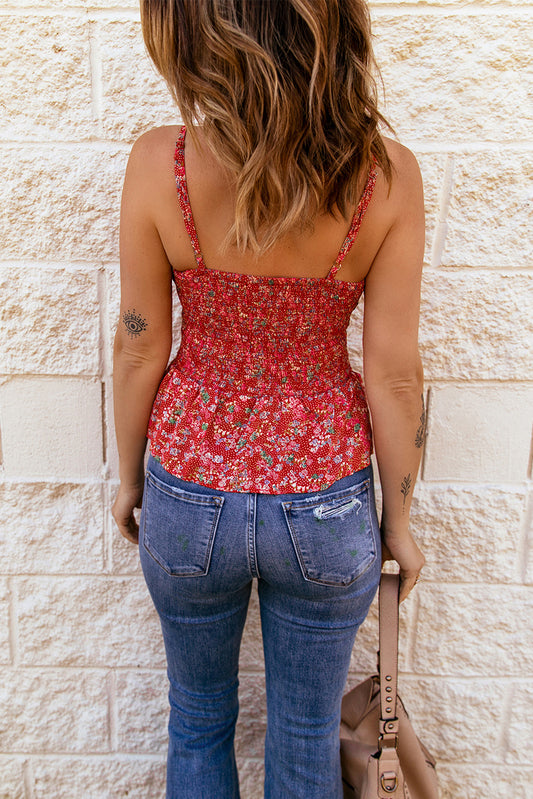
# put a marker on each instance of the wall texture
(82, 680)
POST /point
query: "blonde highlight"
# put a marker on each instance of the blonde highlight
(286, 96)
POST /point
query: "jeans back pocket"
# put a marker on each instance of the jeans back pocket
(334, 536)
(179, 527)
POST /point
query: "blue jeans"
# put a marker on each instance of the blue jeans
(317, 561)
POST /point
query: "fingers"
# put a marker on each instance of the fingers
(404, 550)
(128, 528)
(130, 531)
(385, 553)
(407, 583)
(123, 513)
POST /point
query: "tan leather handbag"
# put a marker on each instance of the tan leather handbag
(380, 753)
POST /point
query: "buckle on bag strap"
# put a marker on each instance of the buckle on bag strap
(388, 733)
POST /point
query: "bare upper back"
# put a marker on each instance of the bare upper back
(307, 254)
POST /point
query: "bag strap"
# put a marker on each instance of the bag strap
(389, 591)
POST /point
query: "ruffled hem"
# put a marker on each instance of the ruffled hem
(283, 442)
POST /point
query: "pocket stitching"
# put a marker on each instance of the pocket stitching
(216, 501)
(303, 504)
(335, 497)
(186, 496)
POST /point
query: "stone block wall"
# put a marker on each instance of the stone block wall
(82, 673)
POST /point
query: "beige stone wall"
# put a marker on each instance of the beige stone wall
(82, 680)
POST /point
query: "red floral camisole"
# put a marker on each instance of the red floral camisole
(261, 396)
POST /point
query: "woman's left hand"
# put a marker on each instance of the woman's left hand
(128, 498)
(406, 552)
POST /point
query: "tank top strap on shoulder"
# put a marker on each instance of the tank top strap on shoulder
(356, 221)
(185, 205)
(183, 197)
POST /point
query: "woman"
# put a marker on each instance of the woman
(289, 204)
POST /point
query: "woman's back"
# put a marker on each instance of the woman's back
(307, 253)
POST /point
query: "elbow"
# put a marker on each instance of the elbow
(405, 387)
(131, 356)
(403, 381)
(409, 382)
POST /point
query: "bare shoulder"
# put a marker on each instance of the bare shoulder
(156, 139)
(406, 186)
(404, 163)
(154, 149)
(149, 179)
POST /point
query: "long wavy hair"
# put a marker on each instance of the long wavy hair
(285, 93)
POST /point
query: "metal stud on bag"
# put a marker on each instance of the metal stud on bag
(376, 766)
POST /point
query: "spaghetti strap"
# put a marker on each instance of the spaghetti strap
(356, 222)
(183, 197)
(185, 205)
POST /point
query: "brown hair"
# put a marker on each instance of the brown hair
(286, 98)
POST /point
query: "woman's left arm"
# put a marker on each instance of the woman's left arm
(144, 334)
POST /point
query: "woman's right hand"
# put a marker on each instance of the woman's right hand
(128, 498)
(405, 551)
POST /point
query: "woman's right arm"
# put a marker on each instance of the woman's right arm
(144, 332)
(392, 367)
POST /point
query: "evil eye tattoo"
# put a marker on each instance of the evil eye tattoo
(134, 323)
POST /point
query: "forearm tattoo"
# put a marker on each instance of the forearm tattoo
(134, 323)
(405, 488)
(421, 432)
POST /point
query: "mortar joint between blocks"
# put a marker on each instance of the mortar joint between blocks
(13, 621)
(107, 532)
(95, 64)
(507, 711)
(28, 779)
(441, 229)
(112, 712)
(103, 319)
(525, 548)
(530, 462)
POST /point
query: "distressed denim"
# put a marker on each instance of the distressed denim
(317, 561)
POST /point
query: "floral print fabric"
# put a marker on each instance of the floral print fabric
(261, 396)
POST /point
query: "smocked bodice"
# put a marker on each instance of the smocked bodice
(264, 334)
(261, 396)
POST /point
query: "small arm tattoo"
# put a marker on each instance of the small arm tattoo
(421, 432)
(134, 323)
(406, 487)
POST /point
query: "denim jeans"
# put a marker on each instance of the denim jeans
(317, 561)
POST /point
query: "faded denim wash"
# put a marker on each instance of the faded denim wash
(317, 561)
